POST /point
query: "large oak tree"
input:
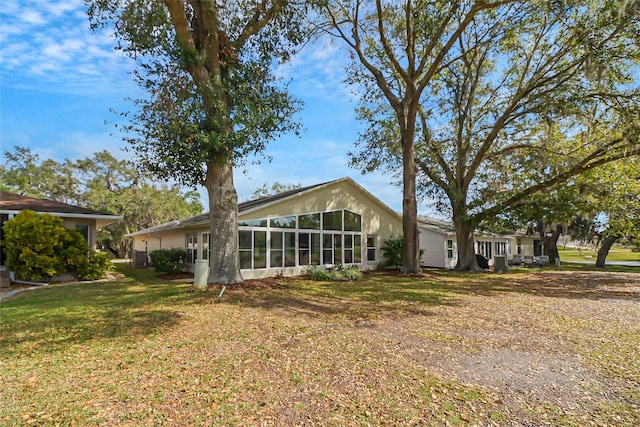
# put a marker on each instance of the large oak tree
(212, 96)
(479, 122)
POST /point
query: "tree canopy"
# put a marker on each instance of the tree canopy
(526, 96)
(102, 183)
(213, 98)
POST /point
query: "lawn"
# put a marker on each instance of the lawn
(617, 253)
(529, 347)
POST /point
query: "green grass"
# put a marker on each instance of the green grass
(141, 351)
(616, 253)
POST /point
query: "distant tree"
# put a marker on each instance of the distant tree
(275, 188)
(102, 183)
(213, 98)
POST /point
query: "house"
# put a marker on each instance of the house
(86, 221)
(324, 224)
(439, 246)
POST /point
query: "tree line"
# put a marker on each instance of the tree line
(103, 183)
(490, 109)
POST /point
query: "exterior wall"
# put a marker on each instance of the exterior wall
(433, 244)
(72, 223)
(376, 220)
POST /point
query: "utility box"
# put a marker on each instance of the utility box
(500, 263)
(140, 259)
(201, 274)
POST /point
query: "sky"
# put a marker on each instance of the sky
(60, 84)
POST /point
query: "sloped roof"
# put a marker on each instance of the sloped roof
(248, 206)
(435, 224)
(10, 202)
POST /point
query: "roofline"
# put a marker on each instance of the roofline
(67, 215)
(319, 186)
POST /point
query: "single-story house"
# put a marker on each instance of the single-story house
(86, 221)
(324, 224)
(440, 249)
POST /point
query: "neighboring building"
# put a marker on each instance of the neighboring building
(325, 224)
(440, 249)
(86, 221)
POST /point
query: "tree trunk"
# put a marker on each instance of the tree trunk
(410, 243)
(550, 242)
(605, 246)
(224, 263)
(466, 251)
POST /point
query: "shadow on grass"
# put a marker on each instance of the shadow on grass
(57, 317)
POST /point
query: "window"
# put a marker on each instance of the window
(283, 249)
(484, 248)
(352, 248)
(352, 221)
(449, 248)
(191, 246)
(309, 221)
(84, 230)
(206, 246)
(332, 221)
(519, 246)
(253, 223)
(537, 247)
(371, 248)
(284, 222)
(245, 238)
(501, 248)
(259, 249)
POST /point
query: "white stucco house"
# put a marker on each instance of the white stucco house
(324, 224)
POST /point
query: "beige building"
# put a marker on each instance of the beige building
(325, 224)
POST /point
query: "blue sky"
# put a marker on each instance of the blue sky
(59, 83)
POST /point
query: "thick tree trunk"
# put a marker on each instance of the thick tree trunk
(466, 251)
(410, 244)
(550, 242)
(224, 263)
(605, 246)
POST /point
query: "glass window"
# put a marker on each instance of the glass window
(277, 246)
(84, 230)
(501, 248)
(449, 248)
(191, 245)
(309, 221)
(315, 248)
(357, 248)
(284, 222)
(289, 249)
(348, 248)
(253, 223)
(352, 221)
(337, 247)
(244, 242)
(327, 249)
(206, 250)
(371, 248)
(332, 220)
(259, 249)
(304, 248)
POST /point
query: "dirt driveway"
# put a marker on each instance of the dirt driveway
(562, 344)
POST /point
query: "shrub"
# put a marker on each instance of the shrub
(392, 251)
(95, 266)
(168, 260)
(339, 273)
(39, 247)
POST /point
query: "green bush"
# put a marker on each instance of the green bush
(39, 247)
(339, 273)
(392, 251)
(95, 266)
(168, 260)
